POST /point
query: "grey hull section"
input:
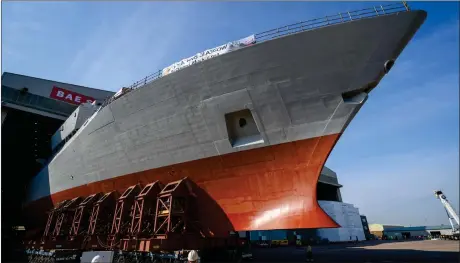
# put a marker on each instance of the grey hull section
(296, 87)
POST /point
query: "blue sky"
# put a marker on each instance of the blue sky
(401, 146)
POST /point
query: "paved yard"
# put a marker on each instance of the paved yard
(370, 251)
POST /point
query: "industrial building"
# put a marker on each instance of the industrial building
(379, 230)
(401, 232)
(33, 109)
(353, 225)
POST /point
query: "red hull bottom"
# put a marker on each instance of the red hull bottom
(272, 187)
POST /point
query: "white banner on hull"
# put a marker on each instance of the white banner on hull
(210, 53)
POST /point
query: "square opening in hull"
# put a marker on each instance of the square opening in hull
(242, 129)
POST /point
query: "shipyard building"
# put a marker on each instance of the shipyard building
(383, 231)
(33, 109)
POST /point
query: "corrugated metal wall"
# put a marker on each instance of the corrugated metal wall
(347, 216)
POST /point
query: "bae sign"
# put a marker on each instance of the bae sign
(69, 96)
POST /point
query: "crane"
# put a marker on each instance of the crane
(451, 214)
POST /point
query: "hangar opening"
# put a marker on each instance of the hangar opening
(32, 109)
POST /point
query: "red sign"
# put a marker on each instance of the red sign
(69, 96)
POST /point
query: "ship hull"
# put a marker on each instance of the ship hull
(301, 92)
(272, 187)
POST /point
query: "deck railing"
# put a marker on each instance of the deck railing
(299, 27)
(332, 20)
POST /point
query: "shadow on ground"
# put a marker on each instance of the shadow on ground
(368, 243)
(373, 251)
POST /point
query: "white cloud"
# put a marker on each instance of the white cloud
(117, 44)
(18, 23)
(412, 105)
(112, 58)
(26, 32)
(398, 188)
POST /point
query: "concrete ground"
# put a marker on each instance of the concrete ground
(370, 251)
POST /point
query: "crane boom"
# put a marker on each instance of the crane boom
(452, 215)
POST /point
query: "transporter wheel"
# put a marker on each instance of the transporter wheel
(117, 258)
(145, 259)
(133, 258)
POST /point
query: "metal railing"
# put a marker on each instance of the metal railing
(29, 100)
(147, 79)
(135, 85)
(332, 20)
(297, 28)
